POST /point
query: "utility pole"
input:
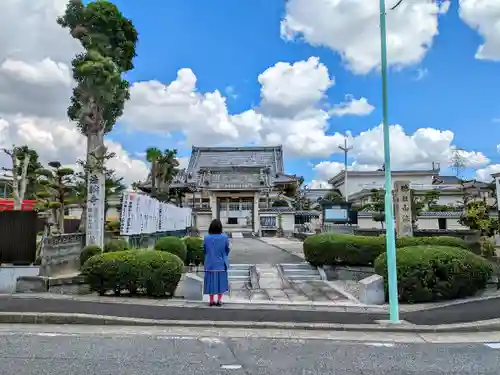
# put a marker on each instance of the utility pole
(346, 151)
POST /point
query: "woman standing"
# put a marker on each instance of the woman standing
(216, 249)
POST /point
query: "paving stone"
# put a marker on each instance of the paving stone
(277, 295)
(240, 294)
(298, 298)
(258, 295)
(335, 296)
(238, 285)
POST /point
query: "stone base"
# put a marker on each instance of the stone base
(60, 285)
(371, 291)
(9, 275)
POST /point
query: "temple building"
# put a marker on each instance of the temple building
(237, 185)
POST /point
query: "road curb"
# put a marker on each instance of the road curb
(88, 319)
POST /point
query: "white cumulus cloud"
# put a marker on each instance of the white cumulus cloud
(351, 28)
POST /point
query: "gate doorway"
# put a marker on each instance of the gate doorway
(236, 213)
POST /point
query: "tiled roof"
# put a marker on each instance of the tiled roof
(235, 168)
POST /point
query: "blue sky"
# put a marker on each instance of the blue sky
(229, 43)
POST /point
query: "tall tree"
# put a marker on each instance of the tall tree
(168, 166)
(153, 155)
(109, 41)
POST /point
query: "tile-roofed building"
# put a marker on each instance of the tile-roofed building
(234, 183)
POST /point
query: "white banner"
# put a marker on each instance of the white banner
(141, 214)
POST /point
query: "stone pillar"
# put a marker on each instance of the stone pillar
(213, 205)
(403, 209)
(256, 218)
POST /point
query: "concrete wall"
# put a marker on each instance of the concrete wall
(61, 254)
(10, 274)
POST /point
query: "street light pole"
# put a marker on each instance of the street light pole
(389, 214)
(346, 150)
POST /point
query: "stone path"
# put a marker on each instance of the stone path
(254, 251)
(291, 246)
(269, 285)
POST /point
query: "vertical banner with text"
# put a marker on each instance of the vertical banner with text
(95, 210)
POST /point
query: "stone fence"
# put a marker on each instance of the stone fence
(61, 254)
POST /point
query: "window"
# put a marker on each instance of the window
(246, 206)
(232, 220)
(268, 221)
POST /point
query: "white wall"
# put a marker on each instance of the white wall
(430, 223)
(357, 183)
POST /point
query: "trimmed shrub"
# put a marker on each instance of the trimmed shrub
(337, 249)
(115, 245)
(435, 241)
(173, 245)
(153, 273)
(88, 252)
(429, 273)
(331, 249)
(194, 246)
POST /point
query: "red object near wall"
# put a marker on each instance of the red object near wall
(8, 205)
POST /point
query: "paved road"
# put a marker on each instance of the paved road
(253, 251)
(94, 353)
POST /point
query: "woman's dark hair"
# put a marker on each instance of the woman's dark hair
(215, 227)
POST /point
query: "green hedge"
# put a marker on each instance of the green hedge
(332, 248)
(436, 241)
(173, 245)
(115, 245)
(153, 273)
(194, 246)
(88, 252)
(432, 273)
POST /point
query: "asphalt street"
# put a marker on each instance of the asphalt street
(92, 352)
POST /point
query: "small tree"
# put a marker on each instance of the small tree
(458, 164)
(377, 206)
(476, 217)
(334, 196)
(58, 184)
(419, 204)
(18, 172)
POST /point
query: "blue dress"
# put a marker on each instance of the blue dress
(216, 249)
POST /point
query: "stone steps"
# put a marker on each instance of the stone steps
(300, 272)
